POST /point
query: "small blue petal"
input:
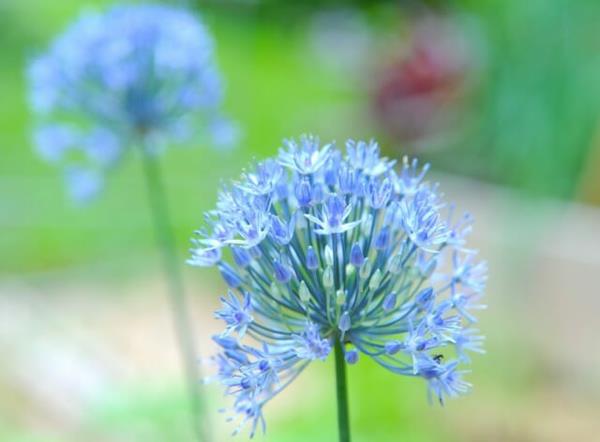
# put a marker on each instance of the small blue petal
(425, 298)
(230, 276)
(312, 262)
(241, 256)
(351, 356)
(383, 239)
(392, 347)
(344, 324)
(356, 256)
(389, 301)
(83, 185)
(283, 274)
(303, 193)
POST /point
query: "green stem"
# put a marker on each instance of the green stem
(176, 295)
(342, 393)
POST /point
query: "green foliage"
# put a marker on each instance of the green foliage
(539, 103)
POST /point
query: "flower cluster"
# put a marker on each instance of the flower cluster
(327, 250)
(112, 78)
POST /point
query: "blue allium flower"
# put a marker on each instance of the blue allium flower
(112, 78)
(328, 249)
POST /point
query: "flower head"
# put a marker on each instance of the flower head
(354, 262)
(114, 77)
(236, 314)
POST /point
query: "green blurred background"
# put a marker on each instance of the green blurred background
(508, 116)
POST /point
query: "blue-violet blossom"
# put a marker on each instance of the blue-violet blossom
(114, 77)
(339, 249)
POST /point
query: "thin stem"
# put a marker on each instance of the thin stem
(176, 295)
(342, 393)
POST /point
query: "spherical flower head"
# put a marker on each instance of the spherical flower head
(357, 265)
(115, 77)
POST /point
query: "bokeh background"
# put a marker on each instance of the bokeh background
(501, 96)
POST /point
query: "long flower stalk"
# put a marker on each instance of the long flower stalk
(342, 394)
(182, 322)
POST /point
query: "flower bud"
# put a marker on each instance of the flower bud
(382, 239)
(283, 274)
(357, 258)
(340, 297)
(425, 298)
(395, 264)
(392, 347)
(365, 270)
(304, 293)
(390, 301)
(230, 276)
(344, 324)
(317, 194)
(427, 270)
(303, 193)
(328, 255)
(375, 280)
(351, 356)
(241, 256)
(366, 225)
(350, 270)
(328, 278)
(312, 262)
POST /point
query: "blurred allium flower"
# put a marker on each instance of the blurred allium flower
(330, 250)
(114, 77)
(420, 96)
